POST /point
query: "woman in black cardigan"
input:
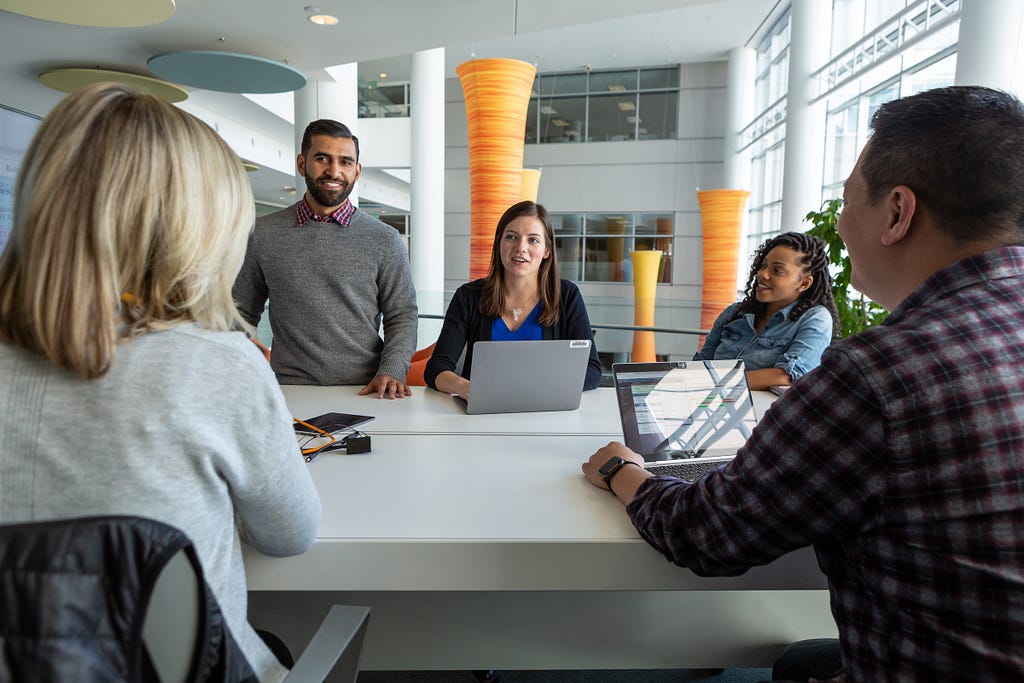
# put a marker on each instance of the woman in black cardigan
(522, 297)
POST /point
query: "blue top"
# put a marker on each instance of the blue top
(793, 345)
(530, 330)
(464, 325)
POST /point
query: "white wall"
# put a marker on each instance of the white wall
(648, 176)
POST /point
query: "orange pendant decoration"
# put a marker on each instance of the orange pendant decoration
(497, 95)
(721, 214)
(646, 265)
(531, 184)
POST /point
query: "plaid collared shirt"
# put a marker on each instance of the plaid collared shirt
(901, 459)
(342, 215)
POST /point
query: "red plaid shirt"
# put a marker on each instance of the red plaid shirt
(901, 459)
(342, 215)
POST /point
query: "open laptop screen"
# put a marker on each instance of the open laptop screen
(684, 409)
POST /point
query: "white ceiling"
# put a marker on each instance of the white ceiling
(379, 34)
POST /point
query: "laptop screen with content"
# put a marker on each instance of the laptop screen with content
(685, 409)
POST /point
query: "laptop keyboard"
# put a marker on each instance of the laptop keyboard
(687, 470)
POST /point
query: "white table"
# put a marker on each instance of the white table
(431, 412)
(480, 545)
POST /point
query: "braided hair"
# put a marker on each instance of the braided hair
(813, 254)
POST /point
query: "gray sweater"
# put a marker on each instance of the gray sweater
(189, 428)
(330, 287)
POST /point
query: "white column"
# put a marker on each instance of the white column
(739, 110)
(989, 48)
(805, 124)
(426, 220)
(337, 99)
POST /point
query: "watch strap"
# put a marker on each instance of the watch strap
(622, 462)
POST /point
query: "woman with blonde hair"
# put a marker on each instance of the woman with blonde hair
(126, 388)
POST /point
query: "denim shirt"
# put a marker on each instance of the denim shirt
(793, 345)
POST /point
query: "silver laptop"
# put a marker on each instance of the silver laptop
(685, 418)
(526, 376)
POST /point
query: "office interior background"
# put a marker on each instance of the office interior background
(633, 110)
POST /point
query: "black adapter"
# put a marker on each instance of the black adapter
(357, 444)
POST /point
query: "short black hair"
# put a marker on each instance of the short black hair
(328, 127)
(961, 150)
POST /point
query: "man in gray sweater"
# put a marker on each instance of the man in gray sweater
(333, 275)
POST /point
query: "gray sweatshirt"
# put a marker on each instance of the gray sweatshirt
(330, 288)
(189, 428)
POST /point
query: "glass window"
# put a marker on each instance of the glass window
(388, 100)
(658, 116)
(612, 81)
(563, 84)
(612, 117)
(562, 119)
(598, 247)
(841, 147)
(651, 79)
(937, 75)
(614, 109)
(531, 122)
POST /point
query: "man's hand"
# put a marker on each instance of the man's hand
(631, 477)
(386, 384)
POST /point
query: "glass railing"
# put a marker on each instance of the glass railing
(612, 318)
(676, 337)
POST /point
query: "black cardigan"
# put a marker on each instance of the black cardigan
(464, 325)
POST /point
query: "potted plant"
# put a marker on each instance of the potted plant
(856, 312)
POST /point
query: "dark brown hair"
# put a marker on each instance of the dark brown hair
(492, 299)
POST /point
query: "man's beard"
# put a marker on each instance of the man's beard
(325, 198)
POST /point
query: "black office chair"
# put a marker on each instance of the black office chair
(123, 598)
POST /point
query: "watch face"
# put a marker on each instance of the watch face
(611, 465)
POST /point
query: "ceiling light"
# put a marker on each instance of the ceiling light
(627, 106)
(560, 122)
(617, 88)
(383, 75)
(547, 109)
(323, 19)
(630, 119)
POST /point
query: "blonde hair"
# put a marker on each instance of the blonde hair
(130, 215)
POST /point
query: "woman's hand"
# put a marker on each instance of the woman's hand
(450, 383)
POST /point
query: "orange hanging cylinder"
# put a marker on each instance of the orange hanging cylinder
(721, 213)
(497, 93)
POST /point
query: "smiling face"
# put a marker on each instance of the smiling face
(523, 247)
(331, 171)
(782, 278)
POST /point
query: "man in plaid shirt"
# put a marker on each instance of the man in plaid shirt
(901, 458)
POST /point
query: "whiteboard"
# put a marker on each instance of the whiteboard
(16, 131)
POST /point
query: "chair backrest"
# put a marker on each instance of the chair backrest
(114, 597)
(89, 599)
(173, 618)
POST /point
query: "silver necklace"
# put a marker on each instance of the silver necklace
(518, 310)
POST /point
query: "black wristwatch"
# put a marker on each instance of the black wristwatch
(611, 467)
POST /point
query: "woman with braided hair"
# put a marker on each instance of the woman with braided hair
(784, 322)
